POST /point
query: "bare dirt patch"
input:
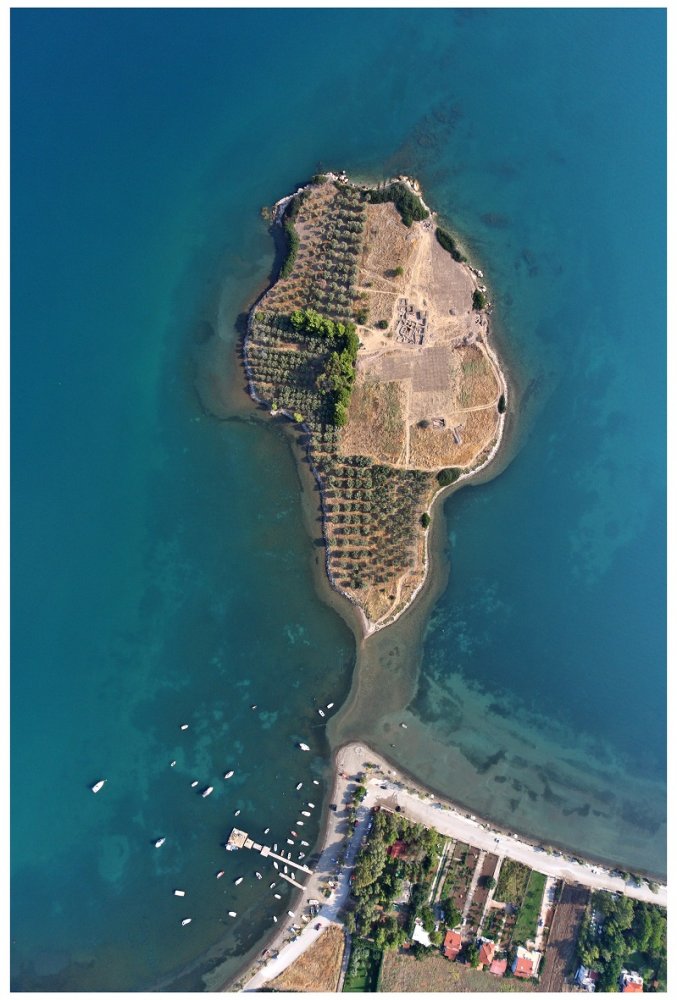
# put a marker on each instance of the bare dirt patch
(317, 970)
(403, 973)
(561, 949)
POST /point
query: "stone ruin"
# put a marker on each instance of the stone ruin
(410, 324)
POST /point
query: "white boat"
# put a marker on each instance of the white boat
(403, 724)
(184, 725)
(267, 830)
(290, 913)
(194, 784)
(229, 774)
(207, 791)
(99, 785)
(315, 781)
(258, 874)
(286, 870)
(301, 855)
(179, 892)
(303, 746)
(290, 841)
(275, 919)
(304, 843)
(304, 812)
(293, 833)
(232, 913)
(277, 895)
(330, 705)
(272, 885)
(237, 812)
(238, 880)
(311, 805)
(172, 763)
(220, 874)
(288, 854)
(299, 822)
(275, 864)
(275, 848)
(187, 920)
(300, 785)
(160, 842)
(320, 712)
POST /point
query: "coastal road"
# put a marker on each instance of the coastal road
(385, 787)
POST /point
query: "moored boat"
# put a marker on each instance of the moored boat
(303, 746)
(300, 785)
(220, 874)
(184, 726)
(185, 921)
(99, 785)
(179, 892)
(330, 705)
(160, 841)
(229, 774)
(238, 880)
(208, 791)
(232, 913)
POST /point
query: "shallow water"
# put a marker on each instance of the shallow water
(160, 564)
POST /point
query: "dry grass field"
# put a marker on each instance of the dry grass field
(376, 424)
(403, 973)
(317, 970)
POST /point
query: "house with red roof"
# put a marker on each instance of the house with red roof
(452, 945)
(498, 966)
(631, 982)
(397, 850)
(525, 964)
(486, 952)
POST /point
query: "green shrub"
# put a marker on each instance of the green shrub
(406, 202)
(501, 403)
(382, 324)
(448, 476)
(425, 519)
(479, 300)
(448, 243)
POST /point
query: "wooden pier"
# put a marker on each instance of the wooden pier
(238, 839)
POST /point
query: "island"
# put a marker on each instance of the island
(374, 338)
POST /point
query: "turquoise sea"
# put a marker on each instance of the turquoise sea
(161, 568)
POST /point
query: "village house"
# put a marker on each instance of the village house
(420, 935)
(498, 966)
(452, 945)
(631, 982)
(586, 978)
(486, 952)
(525, 964)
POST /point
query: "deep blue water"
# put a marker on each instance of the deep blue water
(160, 567)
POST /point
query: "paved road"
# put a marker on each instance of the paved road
(385, 787)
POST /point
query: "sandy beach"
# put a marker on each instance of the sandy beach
(386, 787)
